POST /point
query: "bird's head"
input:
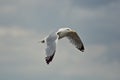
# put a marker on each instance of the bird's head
(63, 31)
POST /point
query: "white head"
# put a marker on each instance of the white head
(63, 31)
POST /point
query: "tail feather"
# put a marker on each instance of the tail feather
(43, 41)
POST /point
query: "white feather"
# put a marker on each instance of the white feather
(52, 39)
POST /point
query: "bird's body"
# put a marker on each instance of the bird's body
(51, 41)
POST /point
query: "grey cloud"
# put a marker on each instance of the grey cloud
(22, 57)
(33, 14)
(112, 55)
(91, 3)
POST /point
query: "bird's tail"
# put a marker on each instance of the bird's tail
(42, 41)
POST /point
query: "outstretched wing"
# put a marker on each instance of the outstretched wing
(51, 47)
(50, 52)
(75, 40)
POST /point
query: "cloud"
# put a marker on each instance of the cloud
(14, 32)
(92, 3)
(19, 52)
(97, 22)
(112, 54)
(88, 64)
(7, 9)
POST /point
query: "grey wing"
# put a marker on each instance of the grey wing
(50, 52)
(75, 40)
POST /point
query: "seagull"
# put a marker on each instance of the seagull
(52, 39)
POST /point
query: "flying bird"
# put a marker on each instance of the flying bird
(51, 41)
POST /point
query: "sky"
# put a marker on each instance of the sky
(24, 22)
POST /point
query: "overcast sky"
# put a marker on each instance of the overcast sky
(24, 22)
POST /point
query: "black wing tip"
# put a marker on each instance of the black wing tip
(82, 48)
(49, 58)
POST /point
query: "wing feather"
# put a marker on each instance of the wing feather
(51, 47)
(50, 52)
(49, 58)
(75, 40)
